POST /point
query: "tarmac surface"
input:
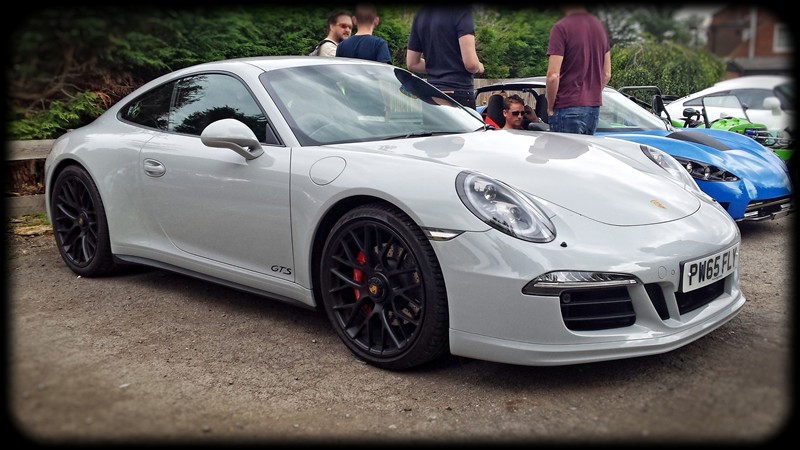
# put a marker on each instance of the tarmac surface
(151, 357)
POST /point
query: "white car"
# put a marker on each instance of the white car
(768, 100)
(357, 188)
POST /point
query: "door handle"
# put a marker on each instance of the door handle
(154, 168)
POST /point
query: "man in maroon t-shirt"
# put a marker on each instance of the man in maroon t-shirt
(578, 69)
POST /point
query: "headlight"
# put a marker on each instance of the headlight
(671, 166)
(504, 208)
(705, 172)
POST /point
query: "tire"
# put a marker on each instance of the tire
(80, 226)
(383, 289)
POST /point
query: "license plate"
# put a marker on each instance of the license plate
(708, 269)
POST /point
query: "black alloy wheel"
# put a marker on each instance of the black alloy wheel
(79, 223)
(383, 289)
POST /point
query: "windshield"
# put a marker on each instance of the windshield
(621, 114)
(328, 104)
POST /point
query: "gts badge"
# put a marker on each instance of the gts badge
(281, 270)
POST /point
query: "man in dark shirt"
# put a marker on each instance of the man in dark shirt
(442, 35)
(363, 44)
(578, 69)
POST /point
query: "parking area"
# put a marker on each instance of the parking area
(154, 357)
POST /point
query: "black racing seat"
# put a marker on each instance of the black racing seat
(659, 108)
(494, 109)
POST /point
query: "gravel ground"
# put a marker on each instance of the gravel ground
(151, 357)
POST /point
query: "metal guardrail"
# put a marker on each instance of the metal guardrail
(26, 151)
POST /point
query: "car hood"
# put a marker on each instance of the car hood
(731, 151)
(607, 180)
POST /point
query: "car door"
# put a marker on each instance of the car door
(213, 205)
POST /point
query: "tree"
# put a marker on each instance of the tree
(659, 22)
(69, 65)
(620, 24)
(675, 69)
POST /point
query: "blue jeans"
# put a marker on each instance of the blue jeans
(577, 119)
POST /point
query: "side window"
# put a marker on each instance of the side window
(151, 109)
(752, 98)
(698, 102)
(694, 102)
(203, 99)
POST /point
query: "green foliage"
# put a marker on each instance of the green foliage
(512, 43)
(394, 27)
(675, 69)
(55, 120)
(658, 21)
(67, 65)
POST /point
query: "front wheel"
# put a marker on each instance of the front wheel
(383, 289)
(79, 223)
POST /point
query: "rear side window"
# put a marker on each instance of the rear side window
(203, 99)
(198, 101)
(699, 100)
(151, 109)
(752, 98)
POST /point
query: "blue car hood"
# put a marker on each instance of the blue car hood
(738, 154)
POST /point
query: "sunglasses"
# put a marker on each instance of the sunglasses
(516, 113)
(344, 26)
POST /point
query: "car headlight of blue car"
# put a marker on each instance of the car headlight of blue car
(705, 172)
(673, 166)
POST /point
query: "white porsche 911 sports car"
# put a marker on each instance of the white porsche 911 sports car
(357, 188)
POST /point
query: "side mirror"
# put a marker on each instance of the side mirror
(234, 135)
(773, 104)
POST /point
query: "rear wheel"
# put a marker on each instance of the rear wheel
(79, 223)
(383, 289)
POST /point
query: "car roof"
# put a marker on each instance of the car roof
(265, 63)
(753, 81)
(280, 62)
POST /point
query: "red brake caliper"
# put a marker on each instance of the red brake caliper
(366, 308)
(357, 273)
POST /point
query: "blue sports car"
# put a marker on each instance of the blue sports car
(749, 180)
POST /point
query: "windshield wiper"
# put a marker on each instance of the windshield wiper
(416, 134)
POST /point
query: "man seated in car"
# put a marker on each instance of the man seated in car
(513, 109)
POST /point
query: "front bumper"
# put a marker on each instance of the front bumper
(491, 319)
